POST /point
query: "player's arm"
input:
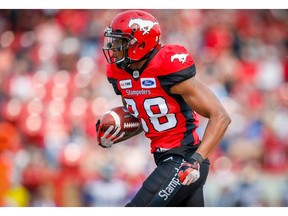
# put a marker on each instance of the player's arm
(202, 100)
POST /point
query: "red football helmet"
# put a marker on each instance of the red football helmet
(134, 32)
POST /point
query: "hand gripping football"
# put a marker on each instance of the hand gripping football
(119, 116)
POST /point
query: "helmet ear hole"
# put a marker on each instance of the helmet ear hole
(134, 28)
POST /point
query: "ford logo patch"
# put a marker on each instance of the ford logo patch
(148, 83)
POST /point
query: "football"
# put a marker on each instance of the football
(119, 116)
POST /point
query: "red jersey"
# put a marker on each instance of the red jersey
(165, 117)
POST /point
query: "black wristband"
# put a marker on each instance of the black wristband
(196, 156)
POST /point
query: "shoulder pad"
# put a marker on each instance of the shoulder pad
(175, 58)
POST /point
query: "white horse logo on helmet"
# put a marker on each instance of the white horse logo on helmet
(145, 25)
(180, 57)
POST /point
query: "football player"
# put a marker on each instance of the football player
(158, 85)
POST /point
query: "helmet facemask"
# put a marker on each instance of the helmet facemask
(116, 41)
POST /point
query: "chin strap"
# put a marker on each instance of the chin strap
(124, 64)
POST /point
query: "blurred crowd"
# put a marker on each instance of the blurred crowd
(53, 89)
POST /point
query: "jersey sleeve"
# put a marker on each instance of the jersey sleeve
(177, 66)
(112, 80)
(114, 84)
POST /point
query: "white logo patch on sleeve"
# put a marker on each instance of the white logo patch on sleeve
(181, 57)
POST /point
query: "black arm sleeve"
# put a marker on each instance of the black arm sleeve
(114, 84)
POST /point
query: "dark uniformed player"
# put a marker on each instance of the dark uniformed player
(158, 86)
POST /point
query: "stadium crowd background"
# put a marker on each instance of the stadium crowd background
(53, 88)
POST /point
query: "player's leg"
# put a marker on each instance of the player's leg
(196, 199)
(160, 186)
